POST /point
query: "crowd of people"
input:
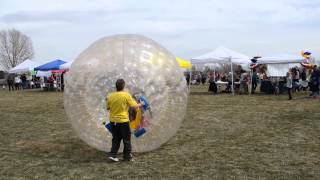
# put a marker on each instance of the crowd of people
(16, 82)
(240, 78)
(297, 79)
(20, 82)
(300, 79)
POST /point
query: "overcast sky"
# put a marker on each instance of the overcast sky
(188, 28)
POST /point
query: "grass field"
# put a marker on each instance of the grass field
(222, 137)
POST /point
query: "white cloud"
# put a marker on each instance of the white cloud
(188, 28)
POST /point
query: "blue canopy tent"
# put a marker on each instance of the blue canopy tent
(53, 65)
(56, 83)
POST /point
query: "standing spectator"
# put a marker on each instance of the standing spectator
(295, 79)
(42, 82)
(261, 76)
(212, 85)
(229, 79)
(315, 82)
(52, 81)
(62, 81)
(244, 83)
(289, 84)
(188, 78)
(32, 84)
(23, 78)
(217, 76)
(304, 81)
(198, 79)
(194, 81)
(10, 82)
(254, 81)
(203, 78)
(17, 83)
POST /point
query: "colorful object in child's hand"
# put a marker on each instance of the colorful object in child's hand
(145, 103)
(138, 124)
(134, 124)
(139, 132)
(132, 114)
(108, 126)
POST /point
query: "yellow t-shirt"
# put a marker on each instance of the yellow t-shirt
(118, 103)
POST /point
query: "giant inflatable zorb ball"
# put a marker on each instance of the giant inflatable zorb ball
(149, 70)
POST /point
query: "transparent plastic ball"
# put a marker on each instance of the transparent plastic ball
(149, 70)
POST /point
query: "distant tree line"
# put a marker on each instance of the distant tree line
(15, 48)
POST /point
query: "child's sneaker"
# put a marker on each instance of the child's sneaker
(128, 158)
(113, 159)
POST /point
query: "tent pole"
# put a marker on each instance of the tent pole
(190, 80)
(232, 88)
(250, 90)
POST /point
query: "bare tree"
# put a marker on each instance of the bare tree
(15, 47)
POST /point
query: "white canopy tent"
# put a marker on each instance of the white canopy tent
(279, 64)
(280, 58)
(222, 55)
(279, 70)
(43, 73)
(25, 67)
(316, 61)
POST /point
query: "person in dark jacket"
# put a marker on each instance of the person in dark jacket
(315, 81)
(304, 81)
(10, 82)
(254, 81)
(24, 81)
(212, 85)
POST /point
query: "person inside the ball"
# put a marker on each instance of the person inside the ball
(118, 104)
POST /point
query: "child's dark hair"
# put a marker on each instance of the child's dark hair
(120, 84)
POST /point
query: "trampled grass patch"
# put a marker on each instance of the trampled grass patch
(222, 137)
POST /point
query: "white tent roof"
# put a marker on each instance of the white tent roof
(66, 65)
(24, 67)
(279, 64)
(43, 73)
(280, 70)
(213, 65)
(221, 55)
(317, 62)
(280, 59)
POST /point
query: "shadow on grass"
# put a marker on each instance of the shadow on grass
(73, 150)
(202, 93)
(40, 91)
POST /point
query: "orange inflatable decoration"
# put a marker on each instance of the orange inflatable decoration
(305, 63)
(254, 63)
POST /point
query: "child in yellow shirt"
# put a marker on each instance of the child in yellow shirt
(118, 104)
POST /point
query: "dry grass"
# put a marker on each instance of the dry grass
(222, 137)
